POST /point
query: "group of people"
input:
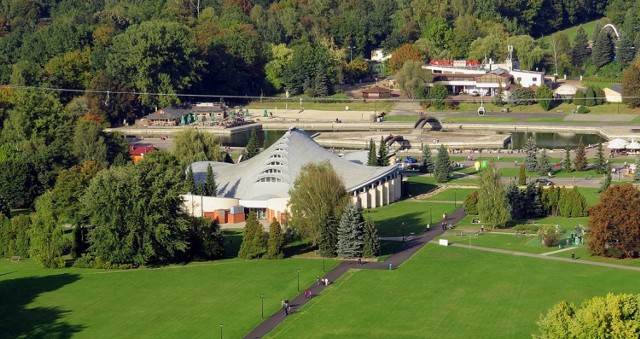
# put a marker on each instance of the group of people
(286, 307)
(323, 281)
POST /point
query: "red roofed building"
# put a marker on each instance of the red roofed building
(137, 152)
(376, 92)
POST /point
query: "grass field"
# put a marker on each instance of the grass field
(452, 194)
(448, 292)
(407, 216)
(571, 32)
(188, 301)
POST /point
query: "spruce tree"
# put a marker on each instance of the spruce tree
(275, 242)
(199, 188)
(599, 160)
(383, 153)
(603, 49)
(636, 171)
(253, 146)
(516, 201)
(190, 181)
(371, 245)
(580, 162)
(426, 166)
(321, 84)
(625, 53)
(443, 165)
(372, 158)
(531, 150)
(566, 163)
(544, 167)
(252, 246)
(606, 182)
(328, 241)
(210, 186)
(350, 233)
(522, 176)
(580, 52)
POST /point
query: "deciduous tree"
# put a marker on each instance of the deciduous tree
(412, 79)
(192, 145)
(316, 203)
(47, 236)
(493, 207)
(612, 316)
(470, 203)
(403, 54)
(615, 223)
(636, 171)
(437, 95)
(631, 85)
(155, 57)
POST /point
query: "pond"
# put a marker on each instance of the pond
(554, 140)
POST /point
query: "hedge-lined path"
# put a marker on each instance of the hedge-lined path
(407, 251)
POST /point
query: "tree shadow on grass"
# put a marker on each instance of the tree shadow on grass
(417, 188)
(17, 320)
(232, 242)
(400, 225)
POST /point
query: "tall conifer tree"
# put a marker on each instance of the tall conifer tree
(443, 165)
(372, 158)
(580, 162)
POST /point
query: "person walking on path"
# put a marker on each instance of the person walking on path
(573, 255)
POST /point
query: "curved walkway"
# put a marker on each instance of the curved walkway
(407, 251)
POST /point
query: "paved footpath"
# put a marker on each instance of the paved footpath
(541, 256)
(409, 249)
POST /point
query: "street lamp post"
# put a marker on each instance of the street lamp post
(351, 51)
(403, 231)
(298, 280)
(262, 298)
(455, 198)
(220, 331)
(301, 104)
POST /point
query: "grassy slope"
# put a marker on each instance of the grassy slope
(446, 292)
(571, 32)
(176, 301)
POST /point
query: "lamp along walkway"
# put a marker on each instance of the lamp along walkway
(407, 251)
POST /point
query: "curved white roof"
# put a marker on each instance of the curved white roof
(271, 173)
(566, 90)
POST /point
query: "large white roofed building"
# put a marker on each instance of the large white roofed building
(262, 183)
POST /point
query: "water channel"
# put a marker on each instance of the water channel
(518, 139)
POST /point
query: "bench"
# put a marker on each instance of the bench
(16, 258)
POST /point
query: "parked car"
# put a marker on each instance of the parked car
(544, 182)
(410, 162)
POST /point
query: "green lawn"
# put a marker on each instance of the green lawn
(581, 254)
(406, 216)
(452, 194)
(188, 301)
(510, 241)
(571, 32)
(479, 119)
(449, 292)
(545, 120)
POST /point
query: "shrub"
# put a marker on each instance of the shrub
(470, 203)
(550, 234)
